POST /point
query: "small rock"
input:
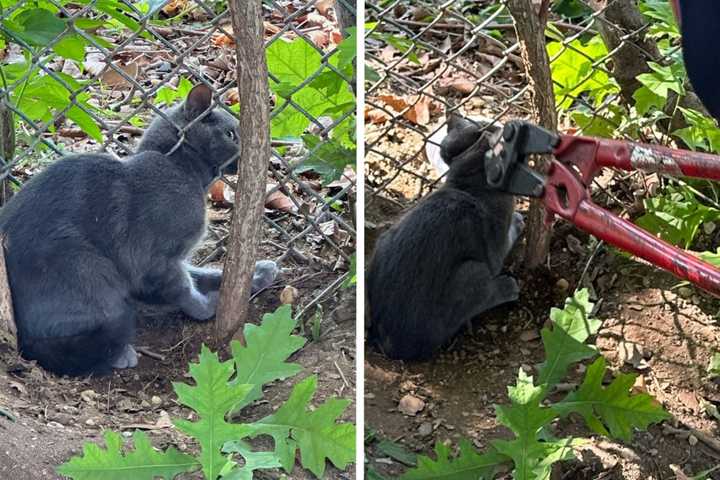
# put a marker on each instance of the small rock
(692, 440)
(410, 405)
(289, 295)
(529, 335)
(90, 422)
(88, 396)
(425, 429)
(156, 401)
(562, 285)
(685, 292)
(630, 353)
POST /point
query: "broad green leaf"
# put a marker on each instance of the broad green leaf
(315, 433)
(328, 158)
(38, 26)
(565, 343)
(526, 417)
(646, 100)
(85, 122)
(467, 465)
(347, 50)
(72, 47)
(352, 273)
(252, 460)
(268, 347)
(141, 463)
(613, 410)
(714, 366)
(662, 80)
(211, 398)
(574, 71)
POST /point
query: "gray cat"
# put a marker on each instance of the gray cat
(90, 234)
(441, 264)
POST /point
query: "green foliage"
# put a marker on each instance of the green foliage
(574, 72)
(167, 95)
(142, 463)
(467, 464)
(351, 279)
(305, 83)
(221, 388)
(314, 432)
(610, 411)
(565, 342)
(714, 365)
(676, 215)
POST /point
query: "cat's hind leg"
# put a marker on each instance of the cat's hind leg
(470, 292)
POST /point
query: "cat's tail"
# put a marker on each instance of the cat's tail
(92, 352)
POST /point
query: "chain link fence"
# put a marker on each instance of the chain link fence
(607, 61)
(89, 75)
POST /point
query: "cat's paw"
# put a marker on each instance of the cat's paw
(209, 308)
(127, 359)
(266, 271)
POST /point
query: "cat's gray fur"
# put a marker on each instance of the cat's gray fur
(90, 234)
(441, 264)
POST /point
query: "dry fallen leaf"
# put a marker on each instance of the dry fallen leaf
(419, 111)
(174, 7)
(216, 191)
(324, 6)
(279, 201)
(320, 38)
(108, 75)
(410, 405)
(289, 295)
(232, 97)
(375, 115)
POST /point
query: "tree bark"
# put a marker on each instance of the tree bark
(530, 30)
(8, 330)
(7, 148)
(630, 55)
(252, 79)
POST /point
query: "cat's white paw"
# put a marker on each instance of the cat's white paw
(127, 359)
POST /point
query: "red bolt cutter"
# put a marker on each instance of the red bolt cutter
(565, 189)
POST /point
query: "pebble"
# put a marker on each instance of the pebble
(156, 401)
(425, 429)
(692, 440)
(562, 285)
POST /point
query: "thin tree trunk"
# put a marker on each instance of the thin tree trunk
(252, 76)
(7, 148)
(530, 29)
(8, 330)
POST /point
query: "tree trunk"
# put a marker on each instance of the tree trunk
(7, 149)
(530, 29)
(8, 331)
(252, 79)
(623, 30)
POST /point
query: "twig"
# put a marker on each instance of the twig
(342, 375)
(149, 353)
(7, 415)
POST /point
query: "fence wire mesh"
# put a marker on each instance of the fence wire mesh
(89, 75)
(607, 62)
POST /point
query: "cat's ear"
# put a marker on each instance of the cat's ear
(198, 101)
(462, 134)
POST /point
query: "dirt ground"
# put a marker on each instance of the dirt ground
(674, 330)
(53, 417)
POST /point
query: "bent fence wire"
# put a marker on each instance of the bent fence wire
(88, 75)
(425, 60)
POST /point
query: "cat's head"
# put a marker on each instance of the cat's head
(209, 135)
(464, 147)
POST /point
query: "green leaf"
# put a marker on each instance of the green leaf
(72, 47)
(662, 80)
(263, 359)
(347, 50)
(211, 398)
(397, 452)
(612, 410)
(676, 215)
(315, 433)
(37, 26)
(328, 158)
(467, 465)
(565, 343)
(85, 122)
(142, 463)
(714, 366)
(352, 273)
(526, 417)
(252, 460)
(646, 100)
